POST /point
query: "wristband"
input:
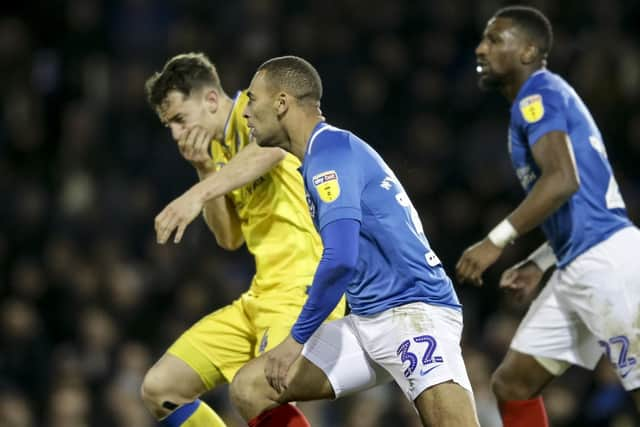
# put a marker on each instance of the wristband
(502, 234)
(543, 257)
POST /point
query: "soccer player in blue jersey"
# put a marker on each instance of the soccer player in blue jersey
(590, 306)
(406, 320)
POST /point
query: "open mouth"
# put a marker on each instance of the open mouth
(482, 68)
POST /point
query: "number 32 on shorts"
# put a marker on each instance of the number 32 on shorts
(427, 358)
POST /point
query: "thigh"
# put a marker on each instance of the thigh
(336, 350)
(447, 405)
(418, 344)
(217, 345)
(521, 376)
(272, 315)
(552, 329)
(252, 394)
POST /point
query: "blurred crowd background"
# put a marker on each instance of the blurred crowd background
(88, 300)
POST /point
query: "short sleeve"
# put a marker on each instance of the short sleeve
(539, 113)
(334, 178)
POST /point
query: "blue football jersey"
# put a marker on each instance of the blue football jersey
(346, 179)
(547, 103)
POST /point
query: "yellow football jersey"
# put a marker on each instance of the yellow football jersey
(273, 212)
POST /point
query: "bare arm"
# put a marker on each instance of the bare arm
(245, 167)
(558, 181)
(249, 164)
(222, 219)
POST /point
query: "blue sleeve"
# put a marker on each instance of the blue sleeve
(335, 270)
(334, 178)
(541, 112)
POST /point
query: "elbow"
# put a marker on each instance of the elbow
(561, 185)
(345, 269)
(229, 243)
(276, 155)
(568, 188)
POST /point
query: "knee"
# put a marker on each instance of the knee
(241, 390)
(151, 387)
(248, 394)
(508, 385)
(155, 390)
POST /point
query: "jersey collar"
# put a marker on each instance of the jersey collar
(528, 82)
(316, 130)
(230, 116)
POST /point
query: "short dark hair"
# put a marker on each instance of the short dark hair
(295, 76)
(185, 73)
(533, 22)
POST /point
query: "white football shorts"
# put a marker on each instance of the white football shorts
(417, 345)
(589, 308)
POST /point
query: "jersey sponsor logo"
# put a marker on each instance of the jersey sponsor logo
(327, 185)
(254, 185)
(531, 108)
(526, 176)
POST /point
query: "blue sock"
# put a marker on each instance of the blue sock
(181, 414)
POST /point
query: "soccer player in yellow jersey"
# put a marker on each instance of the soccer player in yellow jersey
(247, 194)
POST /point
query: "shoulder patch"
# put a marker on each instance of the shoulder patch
(327, 185)
(531, 108)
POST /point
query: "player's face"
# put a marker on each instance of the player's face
(498, 54)
(262, 114)
(180, 113)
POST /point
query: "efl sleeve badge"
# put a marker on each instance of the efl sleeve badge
(531, 108)
(327, 186)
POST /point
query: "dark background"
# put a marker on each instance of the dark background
(89, 300)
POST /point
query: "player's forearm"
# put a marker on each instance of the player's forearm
(223, 221)
(335, 272)
(329, 284)
(249, 164)
(549, 193)
(220, 216)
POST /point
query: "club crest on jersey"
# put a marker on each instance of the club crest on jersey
(531, 108)
(326, 184)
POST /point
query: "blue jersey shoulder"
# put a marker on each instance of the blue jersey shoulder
(541, 106)
(333, 180)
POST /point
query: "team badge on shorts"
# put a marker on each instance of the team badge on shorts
(264, 341)
(531, 108)
(326, 184)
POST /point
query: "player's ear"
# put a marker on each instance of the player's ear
(211, 100)
(281, 103)
(529, 54)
